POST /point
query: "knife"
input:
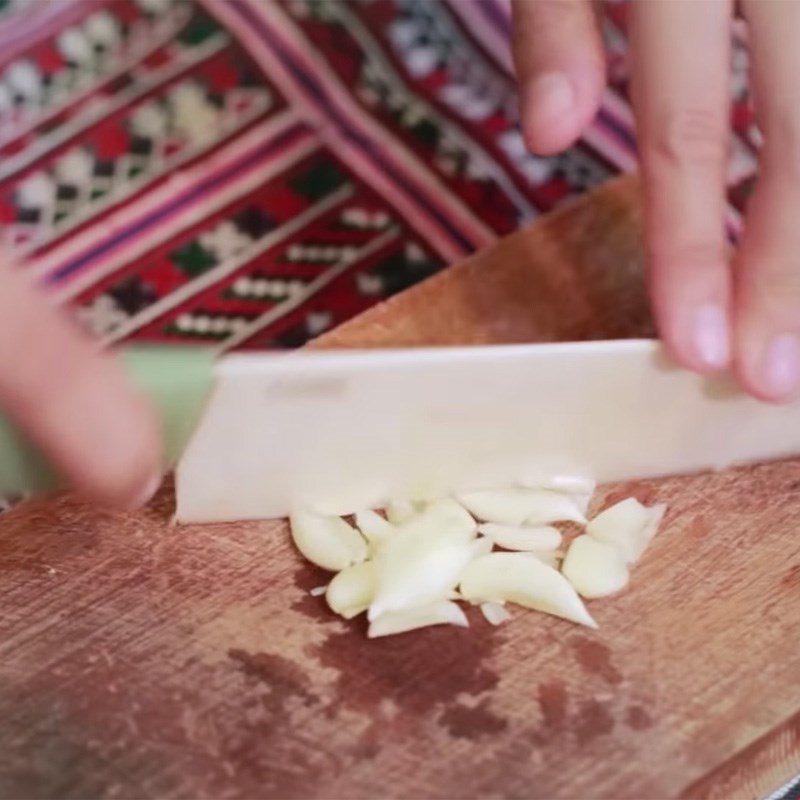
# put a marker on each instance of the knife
(256, 435)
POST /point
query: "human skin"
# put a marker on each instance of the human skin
(714, 310)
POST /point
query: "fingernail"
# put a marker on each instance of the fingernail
(710, 336)
(551, 94)
(146, 495)
(780, 366)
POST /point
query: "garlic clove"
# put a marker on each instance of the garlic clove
(414, 569)
(442, 612)
(523, 579)
(653, 524)
(351, 591)
(398, 512)
(549, 557)
(519, 537)
(481, 546)
(594, 567)
(373, 526)
(518, 505)
(628, 525)
(442, 519)
(495, 613)
(328, 542)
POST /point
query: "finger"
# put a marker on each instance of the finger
(767, 307)
(681, 58)
(558, 54)
(73, 402)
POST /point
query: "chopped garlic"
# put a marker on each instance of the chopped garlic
(549, 557)
(451, 519)
(628, 525)
(595, 568)
(417, 567)
(373, 526)
(328, 542)
(406, 571)
(351, 591)
(517, 506)
(518, 537)
(442, 612)
(318, 591)
(399, 512)
(495, 613)
(523, 579)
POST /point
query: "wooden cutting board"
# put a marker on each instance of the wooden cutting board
(139, 659)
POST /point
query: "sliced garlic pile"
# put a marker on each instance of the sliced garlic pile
(406, 569)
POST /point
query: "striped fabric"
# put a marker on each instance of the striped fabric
(249, 173)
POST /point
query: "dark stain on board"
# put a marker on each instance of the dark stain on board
(638, 719)
(553, 703)
(306, 578)
(464, 722)
(283, 678)
(592, 720)
(418, 671)
(594, 657)
(791, 578)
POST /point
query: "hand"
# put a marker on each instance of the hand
(711, 313)
(73, 402)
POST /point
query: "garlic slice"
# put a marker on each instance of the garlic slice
(351, 591)
(495, 613)
(594, 567)
(523, 579)
(549, 557)
(442, 519)
(519, 537)
(416, 568)
(398, 512)
(481, 546)
(442, 612)
(628, 525)
(328, 542)
(518, 505)
(373, 526)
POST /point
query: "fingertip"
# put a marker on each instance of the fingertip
(549, 113)
(769, 368)
(555, 109)
(129, 472)
(698, 337)
(709, 338)
(110, 437)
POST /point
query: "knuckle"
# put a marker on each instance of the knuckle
(690, 136)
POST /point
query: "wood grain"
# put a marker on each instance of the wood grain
(141, 659)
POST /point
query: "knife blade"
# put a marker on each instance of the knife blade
(339, 431)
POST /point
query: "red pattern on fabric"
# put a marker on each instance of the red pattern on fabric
(408, 152)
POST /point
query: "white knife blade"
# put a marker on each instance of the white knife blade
(340, 431)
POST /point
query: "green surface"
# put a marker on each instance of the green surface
(176, 379)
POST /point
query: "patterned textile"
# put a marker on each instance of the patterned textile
(250, 173)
